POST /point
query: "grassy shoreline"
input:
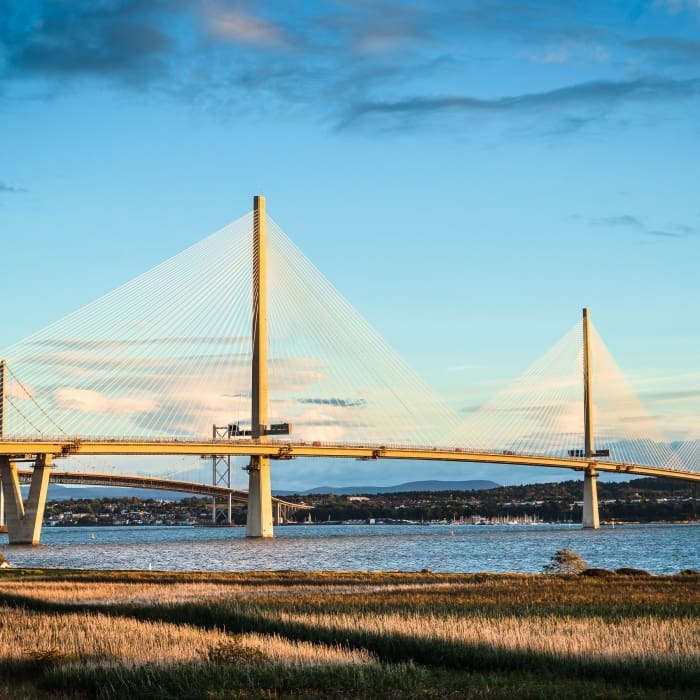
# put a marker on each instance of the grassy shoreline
(84, 634)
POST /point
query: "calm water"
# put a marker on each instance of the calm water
(655, 548)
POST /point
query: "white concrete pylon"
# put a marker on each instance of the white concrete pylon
(591, 519)
(24, 520)
(259, 519)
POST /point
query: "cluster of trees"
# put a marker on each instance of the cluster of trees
(641, 500)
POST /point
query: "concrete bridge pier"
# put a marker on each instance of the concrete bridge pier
(3, 366)
(259, 521)
(591, 519)
(24, 519)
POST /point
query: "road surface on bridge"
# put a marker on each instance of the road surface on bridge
(58, 447)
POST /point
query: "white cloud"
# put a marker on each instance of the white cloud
(13, 390)
(239, 27)
(87, 401)
(380, 42)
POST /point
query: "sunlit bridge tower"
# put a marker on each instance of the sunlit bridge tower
(590, 487)
(259, 522)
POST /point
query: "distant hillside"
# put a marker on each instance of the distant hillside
(58, 492)
(474, 485)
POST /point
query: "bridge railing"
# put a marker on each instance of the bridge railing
(74, 441)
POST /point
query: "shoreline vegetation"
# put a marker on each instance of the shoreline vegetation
(292, 634)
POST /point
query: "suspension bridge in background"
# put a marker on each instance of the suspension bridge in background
(239, 347)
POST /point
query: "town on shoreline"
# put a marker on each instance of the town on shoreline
(639, 500)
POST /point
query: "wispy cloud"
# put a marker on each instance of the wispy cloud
(88, 345)
(10, 189)
(671, 395)
(658, 233)
(395, 63)
(341, 403)
(630, 222)
(669, 49)
(87, 401)
(570, 51)
(124, 39)
(600, 96)
(238, 26)
(624, 220)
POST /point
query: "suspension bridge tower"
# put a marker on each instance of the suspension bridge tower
(590, 488)
(259, 521)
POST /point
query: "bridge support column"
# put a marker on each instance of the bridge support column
(221, 476)
(259, 521)
(14, 505)
(591, 519)
(590, 486)
(24, 520)
(2, 432)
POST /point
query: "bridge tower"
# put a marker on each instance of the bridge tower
(259, 521)
(591, 518)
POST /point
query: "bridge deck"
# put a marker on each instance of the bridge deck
(65, 447)
(150, 482)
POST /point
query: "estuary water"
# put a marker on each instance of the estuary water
(660, 549)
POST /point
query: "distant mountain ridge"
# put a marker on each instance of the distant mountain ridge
(473, 485)
(60, 492)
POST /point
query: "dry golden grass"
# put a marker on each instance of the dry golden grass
(95, 637)
(152, 634)
(614, 617)
(654, 618)
(586, 637)
(116, 593)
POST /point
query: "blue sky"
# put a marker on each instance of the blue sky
(467, 174)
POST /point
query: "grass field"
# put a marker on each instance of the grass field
(83, 634)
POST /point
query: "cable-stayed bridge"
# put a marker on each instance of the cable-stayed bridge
(238, 346)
